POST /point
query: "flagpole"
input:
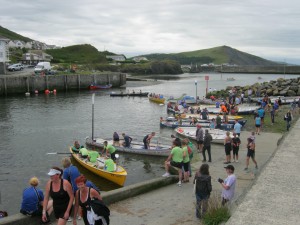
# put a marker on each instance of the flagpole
(93, 102)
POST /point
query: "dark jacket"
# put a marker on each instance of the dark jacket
(203, 185)
(207, 139)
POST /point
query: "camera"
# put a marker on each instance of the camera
(220, 180)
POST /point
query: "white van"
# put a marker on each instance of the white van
(43, 67)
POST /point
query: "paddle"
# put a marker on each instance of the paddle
(58, 153)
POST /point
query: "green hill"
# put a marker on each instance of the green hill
(12, 35)
(77, 54)
(217, 55)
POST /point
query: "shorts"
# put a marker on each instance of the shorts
(227, 149)
(262, 118)
(186, 166)
(38, 212)
(113, 156)
(59, 211)
(176, 164)
(116, 139)
(257, 125)
(251, 153)
(200, 142)
(235, 150)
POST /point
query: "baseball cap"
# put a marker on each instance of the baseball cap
(230, 167)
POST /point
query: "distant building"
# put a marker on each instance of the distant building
(116, 58)
(35, 56)
(139, 58)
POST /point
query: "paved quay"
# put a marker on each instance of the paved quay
(275, 196)
(176, 205)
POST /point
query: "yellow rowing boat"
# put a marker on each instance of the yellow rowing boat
(117, 177)
(157, 100)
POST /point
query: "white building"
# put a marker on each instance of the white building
(117, 58)
(139, 58)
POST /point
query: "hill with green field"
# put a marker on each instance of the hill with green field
(217, 55)
(12, 35)
(80, 54)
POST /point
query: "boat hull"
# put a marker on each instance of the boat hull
(136, 148)
(157, 100)
(95, 86)
(115, 177)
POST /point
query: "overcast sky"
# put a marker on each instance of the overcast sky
(269, 28)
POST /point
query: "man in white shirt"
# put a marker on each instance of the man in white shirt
(228, 185)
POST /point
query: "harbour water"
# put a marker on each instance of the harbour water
(33, 126)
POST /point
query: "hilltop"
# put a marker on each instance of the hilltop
(12, 35)
(78, 54)
(217, 55)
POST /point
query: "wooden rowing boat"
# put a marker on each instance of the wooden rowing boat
(135, 147)
(138, 94)
(157, 100)
(96, 86)
(218, 136)
(204, 124)
(117, 177)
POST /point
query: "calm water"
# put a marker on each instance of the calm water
(33, 126)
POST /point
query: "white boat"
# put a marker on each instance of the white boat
(218, 136)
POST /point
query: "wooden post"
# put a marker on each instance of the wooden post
(5, 87)
(66, 85)
(78, 81)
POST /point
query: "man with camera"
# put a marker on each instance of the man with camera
(228, 185)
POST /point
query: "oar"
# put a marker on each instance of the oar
(58, 153)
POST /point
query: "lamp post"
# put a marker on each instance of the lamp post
(196, 90)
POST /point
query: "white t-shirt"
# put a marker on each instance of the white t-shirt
(229, 181)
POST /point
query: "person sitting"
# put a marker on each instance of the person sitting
(109, 165)
(84, 153)
(93, 155)
(127, 140)
(76, 147)
(32, 202)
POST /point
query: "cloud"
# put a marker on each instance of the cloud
(133, 27)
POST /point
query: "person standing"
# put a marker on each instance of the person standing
(236, 141)
(32, 201)
(203, 189)
(199, 138)
(257, 123)
(207, 146)
(116, 139)
(218, 122)
(175, 159)
(250, 153)
(61, 192)
(288, 119)
(110, 150)
(147, 140)
(261, 113)
(272, 112)
(83, 198)
(227, 146)
(237, 128)
(228, 185)
(186, 161)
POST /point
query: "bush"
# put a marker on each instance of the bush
(216, 213)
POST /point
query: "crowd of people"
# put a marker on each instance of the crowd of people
(68, 195)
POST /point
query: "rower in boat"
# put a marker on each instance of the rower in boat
(110, 150)
(76, 147)
(93, 155)
(127, 140)
(84, 153)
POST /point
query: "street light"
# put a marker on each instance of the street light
(196, 89)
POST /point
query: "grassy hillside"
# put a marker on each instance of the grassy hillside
(217, 55)
(12, 35)
(77, 54)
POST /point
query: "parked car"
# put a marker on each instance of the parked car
(15, 67)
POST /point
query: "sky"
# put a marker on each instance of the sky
(269, 28)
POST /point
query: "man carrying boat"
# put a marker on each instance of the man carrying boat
(147, 140)
(110, 150)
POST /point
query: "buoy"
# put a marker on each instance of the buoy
(36, 92)
(47, 91)
(54, 91)
(27, 94)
